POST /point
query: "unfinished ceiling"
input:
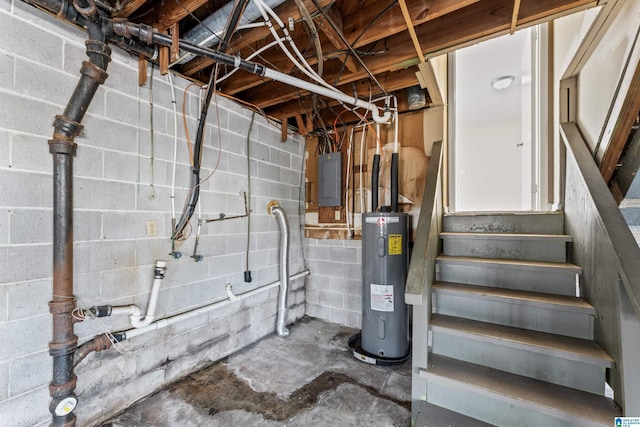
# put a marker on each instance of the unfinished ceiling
(365, 45)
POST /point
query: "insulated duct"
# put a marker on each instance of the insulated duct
(281, 325)
(201, 35)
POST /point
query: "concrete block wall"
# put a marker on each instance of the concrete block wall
(40, 59)
(334, 288)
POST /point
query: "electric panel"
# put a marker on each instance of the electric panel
(330, 179)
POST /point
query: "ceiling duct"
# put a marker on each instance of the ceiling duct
(415, 97)
(201, 34)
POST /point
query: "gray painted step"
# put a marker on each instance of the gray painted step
(557, 359)
(505, 222)
(534, 247)
(430, 415)
(505, 399)
(546, 277)
(554, 314)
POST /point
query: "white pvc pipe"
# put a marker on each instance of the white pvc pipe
(291, 43)
(362, 139)
(125, 309)
(320, 90)
(163, 323)
(137, 321)
(175, 150)
(250, 57)
(311, 74)
(395, 117)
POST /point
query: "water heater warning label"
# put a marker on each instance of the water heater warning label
(382, 297)
(395, 244)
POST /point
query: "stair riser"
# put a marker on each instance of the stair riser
(494, 409)
(526, 223)
(545, 281)
(531, 250)
(541, 366)
(543, 319)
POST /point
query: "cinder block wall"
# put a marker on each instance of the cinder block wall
(40, 60)
(334, 289)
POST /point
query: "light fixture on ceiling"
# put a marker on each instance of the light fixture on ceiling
(502, 82)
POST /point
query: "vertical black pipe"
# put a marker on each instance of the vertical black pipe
(394, 182)
(375, 172)
(63, 148)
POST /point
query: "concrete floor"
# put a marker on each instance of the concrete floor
(308, 379)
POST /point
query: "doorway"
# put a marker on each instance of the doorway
(495, 112)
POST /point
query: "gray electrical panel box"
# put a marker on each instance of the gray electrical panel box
(329, 179)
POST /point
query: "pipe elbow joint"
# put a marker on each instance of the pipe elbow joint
(375, 113)
(141, 322)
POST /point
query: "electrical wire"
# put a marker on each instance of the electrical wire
(187, 134)
(248, 203)
(306, 68)
(306, 18)
(339, 33)
(194, 194)
(151, 133)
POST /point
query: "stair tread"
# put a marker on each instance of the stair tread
(501, 213)
(504, 236)
(432, 415)
(513, 263)
(519, 390)
(560, 302)
(567, 347)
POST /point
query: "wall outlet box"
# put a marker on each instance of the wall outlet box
(152, 228)
(337, 215)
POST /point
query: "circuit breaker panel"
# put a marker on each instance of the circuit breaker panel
(329, 179)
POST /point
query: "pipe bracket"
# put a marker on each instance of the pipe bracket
(94, 72)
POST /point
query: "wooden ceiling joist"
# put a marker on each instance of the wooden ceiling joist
(130, 8)
(396, 34)
(170, 12)
(324, 26)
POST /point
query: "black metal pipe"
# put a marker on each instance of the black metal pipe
(375, 171)
(62, 147)
(394, 182)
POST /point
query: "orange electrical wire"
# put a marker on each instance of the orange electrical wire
(184, 121)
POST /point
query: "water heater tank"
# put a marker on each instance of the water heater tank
(385, 317)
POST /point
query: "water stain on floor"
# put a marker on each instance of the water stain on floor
(217, 390)
(311, 378)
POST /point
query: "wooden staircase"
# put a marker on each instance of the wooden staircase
(510, 339)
